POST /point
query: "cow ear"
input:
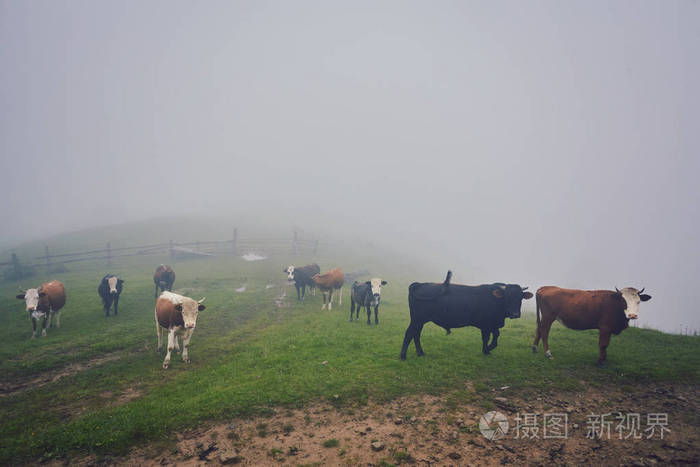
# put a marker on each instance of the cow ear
(644, 297)
(498, 293)
(42, 294)
(201, 308)
(527, 295)
(368, 283)
(20, 296)
(384, 282)
(178, 307)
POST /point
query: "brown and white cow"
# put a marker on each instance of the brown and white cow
(164, 277)
(329, 281)
(44, 302)
(177, 314)
(606, 310)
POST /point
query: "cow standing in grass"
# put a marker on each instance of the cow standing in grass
(110, 289)
(164, 277)
(454, 306)
(605, 310)
(43, 303)
(178, 315)
(302, 278)
(326, 283)
(367, 294)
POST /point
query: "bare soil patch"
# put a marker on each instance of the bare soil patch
(9, 388)
(444, 430)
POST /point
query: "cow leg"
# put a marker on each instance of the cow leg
(376, 314)
(116, 304)
(485, 333)
(186, 344)
(158, 333)
(410, 330)
(537, 339)
(33, 327)
(176, 347)
(494, 342)
(298, 292)
(603, 341)
(43, 324)
(330, 299)
(303, 291)
(416, 340)
(369, 314)
(352, 308)
(323, 307)
(544, 334)
(156, 293)
(58, 318)
(171, 344)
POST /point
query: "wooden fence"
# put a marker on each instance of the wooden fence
(295, 245)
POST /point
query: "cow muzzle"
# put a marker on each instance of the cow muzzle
(632, 316)
(189, 325)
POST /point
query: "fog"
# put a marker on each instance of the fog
(542, 143)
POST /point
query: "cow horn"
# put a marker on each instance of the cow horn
(617, 290)
(524, 288)
(200, 301)
(640, 292)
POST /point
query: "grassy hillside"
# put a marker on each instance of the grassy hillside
(247, 355)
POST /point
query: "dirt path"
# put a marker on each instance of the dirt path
(431, 430)
(8, 388)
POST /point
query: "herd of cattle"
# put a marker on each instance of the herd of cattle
(447, 305)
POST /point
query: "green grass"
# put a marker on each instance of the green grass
(248, 356)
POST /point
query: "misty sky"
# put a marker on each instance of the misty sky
(544, 143)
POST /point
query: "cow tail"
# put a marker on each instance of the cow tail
(537, 309)
(447, 279)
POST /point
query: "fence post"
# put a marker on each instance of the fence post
(234, 242)
(172, 249)
(295, 251)
(109, 254)
(15, 266)
(48, 260)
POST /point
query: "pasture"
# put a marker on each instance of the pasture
(96, 386)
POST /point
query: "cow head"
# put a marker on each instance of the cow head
(512, 296)
(290, 272)
(112, 283)
(31, 298)
(376, 286)
(189, 309)
(632, 299)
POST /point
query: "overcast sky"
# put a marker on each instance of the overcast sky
(545, 143)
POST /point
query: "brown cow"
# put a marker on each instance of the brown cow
(164, 277)
(43, 303)
(177, 314)
(606, 310)
(329, 281)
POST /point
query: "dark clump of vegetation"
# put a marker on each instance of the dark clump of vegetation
(331, 443)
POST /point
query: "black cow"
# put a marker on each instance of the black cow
(367, 294)
(110, 288)
(454, 306)
(302, 278)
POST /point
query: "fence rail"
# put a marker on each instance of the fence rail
(295, 245)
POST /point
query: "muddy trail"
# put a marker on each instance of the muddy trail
(17, 385)
(639, 425)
